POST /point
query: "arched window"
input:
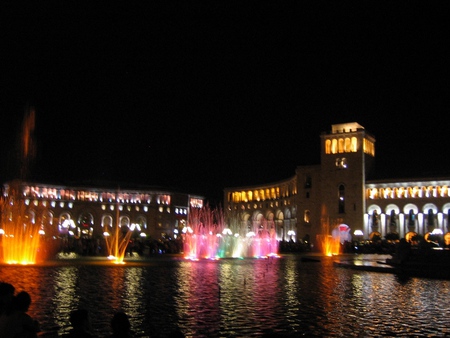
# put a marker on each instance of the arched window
(86, 220)
(375, 218)
(334, 146)
(341, 145)
(430, 218)
(411, 218)
(307, 216)
(107, 222)
(354, 146)
(348, 143)
(327, 146)
(393, 222)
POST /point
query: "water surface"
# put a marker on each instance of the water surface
(236, 298)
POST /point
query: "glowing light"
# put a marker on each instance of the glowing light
(437, 232)
(330, 245)
(20, 237)
(209, 237)
(117, 242)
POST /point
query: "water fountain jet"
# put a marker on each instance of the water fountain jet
(209, 236)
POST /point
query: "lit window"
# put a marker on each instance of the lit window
(307, 216)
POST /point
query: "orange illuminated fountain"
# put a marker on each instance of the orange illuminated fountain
(117, 241)
(329, 242)
(19, 235)
(19, 229)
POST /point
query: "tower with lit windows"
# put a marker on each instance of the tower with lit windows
(341, 190)
(347, 157)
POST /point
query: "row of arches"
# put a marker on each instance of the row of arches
(283, 222)
(409, 192)
(82, 225)
(409, 218)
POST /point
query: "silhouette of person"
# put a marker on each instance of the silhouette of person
(6, 295)
(81, 324)
(15, 322)
(120, 325)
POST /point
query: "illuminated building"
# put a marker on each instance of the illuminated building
(89, 212)
(339, 191)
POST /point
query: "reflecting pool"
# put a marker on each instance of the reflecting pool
(235, 298)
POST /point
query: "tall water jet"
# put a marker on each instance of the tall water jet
(19, 229)
(117, 241)
(329, 243)
(19, 233)
(209, 235)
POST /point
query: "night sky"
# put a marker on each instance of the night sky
(197, 96)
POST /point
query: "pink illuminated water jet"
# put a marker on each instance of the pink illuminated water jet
(209, 235)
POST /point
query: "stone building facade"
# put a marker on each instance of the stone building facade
(339, 195)
(90, 212)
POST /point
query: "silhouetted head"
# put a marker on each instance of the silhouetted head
(120, 322)
(6, 295)
(22, 301)
(79, 319)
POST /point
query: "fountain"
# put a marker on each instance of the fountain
(22, 231)
(19, 236)
(208, 236)
(19, 229)
(329, 243)
(117, 242)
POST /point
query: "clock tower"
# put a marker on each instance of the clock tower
(347, 157)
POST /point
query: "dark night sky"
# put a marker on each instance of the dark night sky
(203, 95)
